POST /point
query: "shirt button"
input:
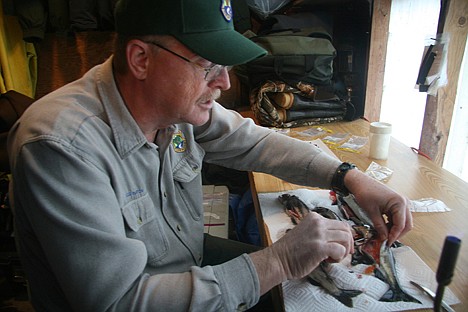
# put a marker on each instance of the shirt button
(242, 307)
(165, 194)
(178, 227)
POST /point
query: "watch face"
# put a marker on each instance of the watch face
(338, 179)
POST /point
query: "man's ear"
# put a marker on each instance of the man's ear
(138, 58)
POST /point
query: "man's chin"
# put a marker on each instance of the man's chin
(200, 118)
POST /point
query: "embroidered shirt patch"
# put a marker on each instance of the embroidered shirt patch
(178, 142)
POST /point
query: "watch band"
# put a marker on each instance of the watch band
(337, 184)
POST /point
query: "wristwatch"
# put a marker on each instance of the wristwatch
(337, 184)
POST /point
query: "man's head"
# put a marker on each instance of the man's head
(204, 26)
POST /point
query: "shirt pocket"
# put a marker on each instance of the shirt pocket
(142, 224)
(188, 165)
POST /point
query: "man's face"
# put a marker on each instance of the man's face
(182, 94)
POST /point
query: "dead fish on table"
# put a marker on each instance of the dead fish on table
(387, 267)
(368, 250)
(320, 277)
(295, 208)
(376, 252)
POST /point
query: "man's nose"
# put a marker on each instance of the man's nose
(222, 81)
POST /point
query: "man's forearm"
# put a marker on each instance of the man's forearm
(269, 269)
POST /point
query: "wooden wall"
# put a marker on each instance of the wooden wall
(439, 109)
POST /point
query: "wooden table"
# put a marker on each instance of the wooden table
(416, 177)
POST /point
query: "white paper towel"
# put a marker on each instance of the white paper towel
(300, 295)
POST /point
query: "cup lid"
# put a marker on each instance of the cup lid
(380, 127)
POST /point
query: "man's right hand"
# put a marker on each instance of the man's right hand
(301, 250)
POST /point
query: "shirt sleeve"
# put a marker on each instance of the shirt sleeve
(236, 142)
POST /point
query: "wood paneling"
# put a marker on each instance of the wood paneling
(377, 55)
(439, 108)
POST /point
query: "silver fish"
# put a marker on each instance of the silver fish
(360, 214)
(320, 277)
(376, 252)
(387, 268)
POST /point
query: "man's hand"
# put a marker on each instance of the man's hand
(301, 250)
(377, 200)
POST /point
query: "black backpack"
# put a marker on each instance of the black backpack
(294, 55)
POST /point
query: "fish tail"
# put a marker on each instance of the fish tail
(346, 296)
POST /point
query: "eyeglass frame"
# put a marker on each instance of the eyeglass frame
(207, 70)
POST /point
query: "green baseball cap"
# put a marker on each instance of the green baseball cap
(204, 26)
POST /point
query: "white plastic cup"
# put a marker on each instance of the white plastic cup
(379, 139)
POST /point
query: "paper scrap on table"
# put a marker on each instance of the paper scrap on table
(428, 205)
(300, 295)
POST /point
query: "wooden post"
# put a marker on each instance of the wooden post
(377, 55)
(439, 108)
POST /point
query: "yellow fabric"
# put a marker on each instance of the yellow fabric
(18, 58)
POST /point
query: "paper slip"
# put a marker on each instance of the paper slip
(428, 205)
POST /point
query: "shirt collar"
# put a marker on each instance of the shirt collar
(127, 134)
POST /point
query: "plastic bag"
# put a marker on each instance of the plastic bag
(336, 138)
(314, 132)
(378, 172)
(354, 144)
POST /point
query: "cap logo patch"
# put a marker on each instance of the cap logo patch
(226, 9)
(178, 142)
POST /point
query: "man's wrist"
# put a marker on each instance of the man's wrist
(337, 184)
(269, 269)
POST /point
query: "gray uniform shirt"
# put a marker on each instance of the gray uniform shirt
(107, 221)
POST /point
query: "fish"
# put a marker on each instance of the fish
(320, 277)
(387, 267)
(294, 207)
(297, 209)
(369, 250)
(355, 212)
(378, 254)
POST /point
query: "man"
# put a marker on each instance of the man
(107, 184)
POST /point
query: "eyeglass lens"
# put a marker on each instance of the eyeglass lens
(213, 72)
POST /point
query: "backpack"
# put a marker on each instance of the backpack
(295, 55)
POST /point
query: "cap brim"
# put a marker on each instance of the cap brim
(225, 47)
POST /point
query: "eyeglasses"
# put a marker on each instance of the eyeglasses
(211, 72)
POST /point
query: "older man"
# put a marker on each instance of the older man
(107, 185)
